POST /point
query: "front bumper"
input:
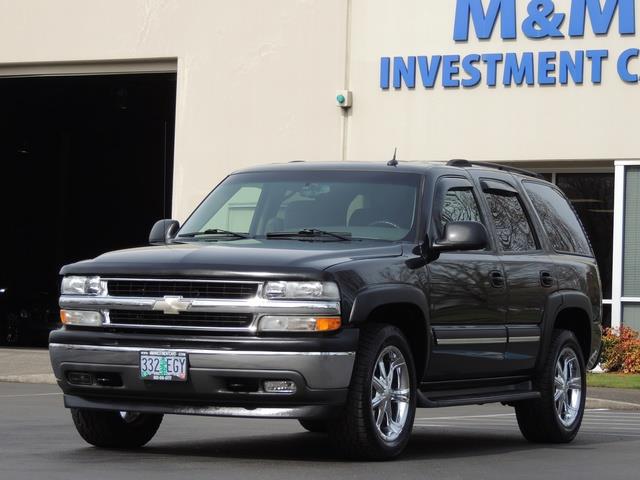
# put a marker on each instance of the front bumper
(216, 367)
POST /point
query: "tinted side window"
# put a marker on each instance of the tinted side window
(512, 225)
(459, 205)
(558, 218)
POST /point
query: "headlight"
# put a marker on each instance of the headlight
(81, 317)
(285, 323)
(76, 285)
(302, 290)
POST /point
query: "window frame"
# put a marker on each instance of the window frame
(575, 213)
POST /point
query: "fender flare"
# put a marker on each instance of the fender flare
(556, 303)
(370, 298)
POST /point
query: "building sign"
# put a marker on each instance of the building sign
(540, 21)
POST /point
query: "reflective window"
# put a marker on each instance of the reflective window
(459, 205)
(237, 212)
(631, 246)
(513, 229)
(559, 219)
(364, 205)
(591, 195)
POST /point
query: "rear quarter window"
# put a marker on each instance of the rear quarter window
(558, 219)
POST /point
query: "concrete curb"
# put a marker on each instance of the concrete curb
(611, 404)
(46, 378)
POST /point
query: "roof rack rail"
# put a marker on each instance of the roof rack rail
(466, 163)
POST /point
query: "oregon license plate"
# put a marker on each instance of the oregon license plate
(164, 365)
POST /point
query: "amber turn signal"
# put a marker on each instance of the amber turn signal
(325, 324)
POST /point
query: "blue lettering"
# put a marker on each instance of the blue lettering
(449, 69)
(623, 65)
(492, 60)
(596, 57)
(403, 71)
(570, 66)
(385, 66)
(429, 72)
(484, 22)
(470, 69)
(542, 21)
(601, 17)
(518, 72)
(546, 67)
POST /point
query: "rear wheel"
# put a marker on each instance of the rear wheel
(377, 420)
(314, 426)
(557, 415)
(115, 429)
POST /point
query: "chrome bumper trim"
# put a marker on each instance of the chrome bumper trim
(196, 351)
(252, 305)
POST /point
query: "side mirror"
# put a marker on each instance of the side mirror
(462, 236)
(163, 231)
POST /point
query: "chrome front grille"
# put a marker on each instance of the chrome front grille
(190, 320)
(158, 288)
(185, 305)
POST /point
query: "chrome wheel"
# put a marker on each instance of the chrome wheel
(390, 393)
(567, 387)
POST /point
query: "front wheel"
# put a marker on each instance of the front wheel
(557, 415)
(377, 420)
(115, 429)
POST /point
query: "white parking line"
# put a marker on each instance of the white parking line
(598, 422)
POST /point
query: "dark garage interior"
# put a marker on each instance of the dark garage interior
(86, 164)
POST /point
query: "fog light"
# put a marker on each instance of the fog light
(279, 386)
(81, 317)
(79, 378)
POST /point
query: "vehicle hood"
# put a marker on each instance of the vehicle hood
(240, 258)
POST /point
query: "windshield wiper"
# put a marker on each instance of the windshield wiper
(215, 231)
(311, 232)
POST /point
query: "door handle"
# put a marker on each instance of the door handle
(496, 279)
(546, 279)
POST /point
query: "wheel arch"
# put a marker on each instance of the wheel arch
(571, 311)
(403, 306)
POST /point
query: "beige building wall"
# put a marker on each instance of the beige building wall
(517, 123)
(257, 81)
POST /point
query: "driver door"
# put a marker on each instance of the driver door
(467, 294)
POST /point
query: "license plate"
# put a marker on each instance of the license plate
(164, 365)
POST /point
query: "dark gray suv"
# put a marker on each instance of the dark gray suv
(344, 295)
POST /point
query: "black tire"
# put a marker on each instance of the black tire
(110, 430)
(538, 419)
(314, 426)
(354, 432)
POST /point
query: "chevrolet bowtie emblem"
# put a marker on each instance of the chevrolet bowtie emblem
(172, 305)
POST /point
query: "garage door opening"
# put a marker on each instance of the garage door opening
(86, 164)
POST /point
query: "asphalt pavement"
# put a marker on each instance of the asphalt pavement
(38, 440)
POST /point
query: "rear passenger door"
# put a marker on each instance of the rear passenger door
(529, 272)
(467, 294)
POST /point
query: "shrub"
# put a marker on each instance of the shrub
(621, 350)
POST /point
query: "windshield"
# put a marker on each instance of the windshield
(362, 205)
